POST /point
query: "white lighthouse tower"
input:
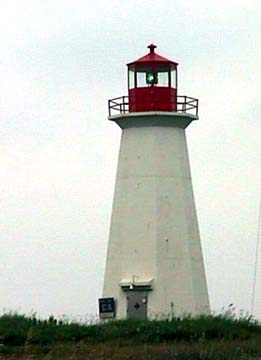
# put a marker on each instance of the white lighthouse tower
(154, 262)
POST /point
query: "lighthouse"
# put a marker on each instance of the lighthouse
(154, 266)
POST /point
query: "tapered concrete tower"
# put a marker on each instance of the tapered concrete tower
(154, 262)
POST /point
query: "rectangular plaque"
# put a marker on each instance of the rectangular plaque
(107, 308)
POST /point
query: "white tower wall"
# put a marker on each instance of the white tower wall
(154, 239)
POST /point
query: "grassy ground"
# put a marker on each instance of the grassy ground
(210, 350)
(221, 337)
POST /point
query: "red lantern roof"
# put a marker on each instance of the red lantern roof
(152, 57)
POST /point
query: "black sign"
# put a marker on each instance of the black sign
(107, 308)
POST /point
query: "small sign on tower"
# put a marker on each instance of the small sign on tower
(107, 308)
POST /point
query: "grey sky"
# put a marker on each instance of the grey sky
(60, 62)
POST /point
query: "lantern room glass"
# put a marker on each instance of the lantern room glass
(163, 78)
(173, 78)
(146, 78)
(141, 79)
(131, 79)
(149, 78)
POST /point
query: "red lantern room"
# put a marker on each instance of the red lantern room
(152, 83)
(152, 86)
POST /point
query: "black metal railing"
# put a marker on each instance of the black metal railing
(185, 105)
(118, 105)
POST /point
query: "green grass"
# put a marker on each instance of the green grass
(201, 338)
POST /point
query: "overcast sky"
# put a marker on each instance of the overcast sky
(61, 60)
